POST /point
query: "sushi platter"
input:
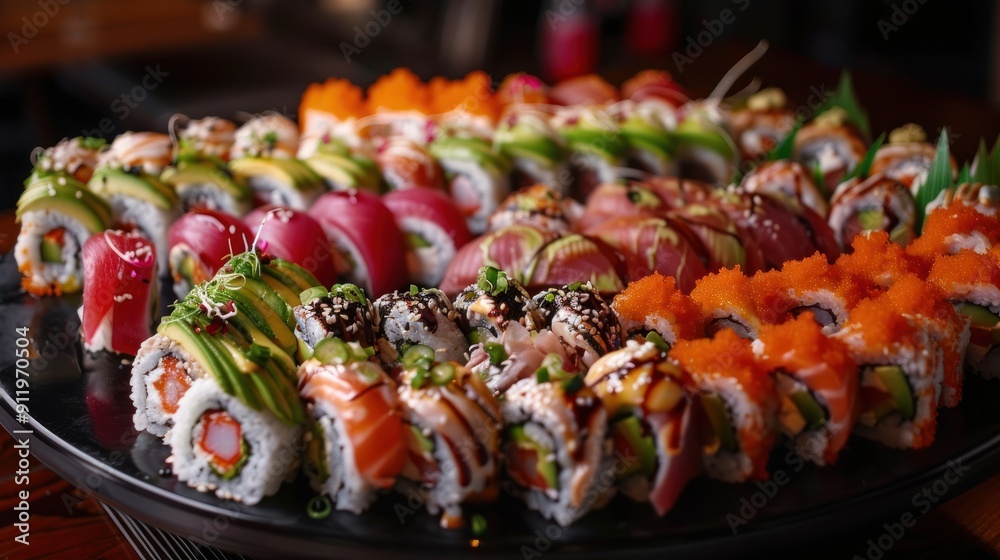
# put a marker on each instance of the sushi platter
(432, 317)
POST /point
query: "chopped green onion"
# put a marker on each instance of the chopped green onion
(550, 297)
(573, 384)
(418, 355)
(320, 507)
(496, 352)
(542, 375)
(419, 378)
(350, 292)
(442, 374)
(657, 340)
(414, 290)
(575, 286)
(333, 351)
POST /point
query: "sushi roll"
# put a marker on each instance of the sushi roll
(762, 123)
(119, 292)
(585, 324)
(363, 229)
(342, 312)
(405, 164)
(832, 145)
(342, 167)
(73, 157)
(57, 216)
(737, 399)
(199, 172)
(557, 448)
(355, 442)
(220, 444)
(425, 317)
(618, 200)
(536, 152)
(330, 110)
(263, 157)
(907, 157)
(971, 281)
(575, 258)
(588, 90)
(899, 388)
(539, 206)
(452, 425)
(511, 249)
(200, 242)
(654, 306)
(476, 176)
(646, 129)
(813, 286)
(876, 263)
(492, 303)
(595, 145)
(652, 245)
(816, 380)
(656, 86)
(295, 236)
(705, 150)
(958, 226)
(128, 177)
(877, 203)
(789, 178)
(727, 301)
(434, 230)
(654, 423)
(718, 241)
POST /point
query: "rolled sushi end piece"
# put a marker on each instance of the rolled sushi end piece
(162, 372)
(654, 305)
(200, 243)
(494, 302)
(57, 216)
(477, 177)
(704, 150)
(452, 425)
(75, 158)
(816, 380)
(952, 228)
(655, 424)
(789, 178)
(581, 319)
(726, 299)
(738, 401)
(206, 183)
(280, 181)
(539, 206)
(534, 149)
(219, 444)
(119, 292)
(596, 146)
(812, 285)
(355, 443)
(434, 230)
(574, 258)
(418, 317)
(557, 450)
(343, 312)
(875, 204)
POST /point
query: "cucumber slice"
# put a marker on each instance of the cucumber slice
(426, 443)
(546, 467)
(629, 431)
(899, 389)
(718, 417)
(811, 411)
(417, 241)
(979, 315)
(51, 250)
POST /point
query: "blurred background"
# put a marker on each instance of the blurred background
(101, 67)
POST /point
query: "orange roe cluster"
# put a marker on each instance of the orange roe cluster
(726, 355)
(876, 262)
(336, 97)
(913, 296)
(399, 90)
(522, 88)
(657, 295)
(958, 218)
(472, 94)
(771, 296)
(965, 268)
(726, 288)
(882, 325)
(800, 344)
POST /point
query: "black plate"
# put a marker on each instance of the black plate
(80, 414)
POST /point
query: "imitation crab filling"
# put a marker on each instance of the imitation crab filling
(52, 244)
(531, 462)
(220, 437)
(885, 393)
(171, 384)
(801, 409)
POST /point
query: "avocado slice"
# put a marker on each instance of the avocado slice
(417, 241)
(693, 131)
(108, 181)
(290, 275)
(899, 389)
(426, 443)
(469, 149)
(980, 316)
(51, 247)
(590, 141)
(316, 452)
(718, 417)
(629, 431)
(288, 171)
(268, 310)
(643, 136)
(342, 171)
(547, 469)
(871, 219)
(202, 350)
(69, 198)
(521, 141)
(811, 411)
(205, 173)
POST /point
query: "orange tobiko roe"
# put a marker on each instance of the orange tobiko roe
(728, 287)
(726, 355)
(336, 97)
(800, 344)
(882, 325)
(966, 268)
(472, 94)
(399, 90)
(657, 295)
(913, 296)
(876, 262)
(771, 296)
(958, 218)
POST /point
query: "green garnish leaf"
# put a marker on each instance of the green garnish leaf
(820, 179)
(981, 168)
(938, 179)
(492, 280)
(542, 375)
(270, 138)
(419, 378)
(657, 340)
(846, 99)
(550, 297)
(573, 384)
(552, 369)
(414, 290)
(575, 286)
(864, 167)
(964, 176)
(786, 148)
(349, 292)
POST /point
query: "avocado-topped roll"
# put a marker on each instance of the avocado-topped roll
(492, 303)
(539, 206)
(907, 157)
(830, 144)
(536, 152)
(654, 423)
(343, 311)
(648, 140)
(451, 422)
(74, 157)
(816, 380)
(57, 215)
(583, 321)
(789, 178)
(704, 148)
(477, 177)
(199, 172)
(899, 384)
(200, 243)
(877, 203)
(738, 401)
(653, 307)
(762, 123)
(406, 164)
(556, 445)
(595, 144)
(128, 177)
(727, 301)
(355, 442)
(263, 156)
(220, 444)
(418, 316)
(340, 166)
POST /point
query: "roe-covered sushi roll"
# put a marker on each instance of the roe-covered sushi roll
(654, 305)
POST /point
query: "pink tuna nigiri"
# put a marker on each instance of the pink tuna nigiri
(365, 231)
(201, 242)
(435, 230)
(295, 236)
(511, 249)
(119, 273)
(652, 245)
